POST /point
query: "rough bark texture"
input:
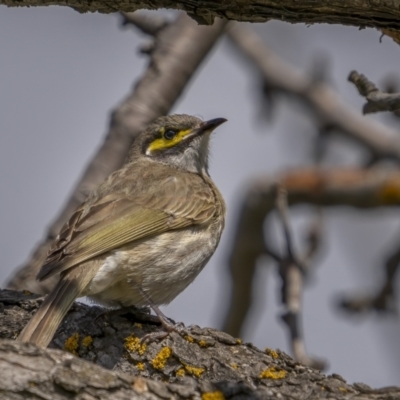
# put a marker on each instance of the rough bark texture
(378, 13)
(208, 364)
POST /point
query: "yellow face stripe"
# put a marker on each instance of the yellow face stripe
(162, 143)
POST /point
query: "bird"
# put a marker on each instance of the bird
(144, 234)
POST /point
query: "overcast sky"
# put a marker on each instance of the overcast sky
(61, 73)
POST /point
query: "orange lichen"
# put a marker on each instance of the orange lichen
(217, 395)
(132, 343)
(273, 373)
(181, 372)
(161, 358)
(196, 371)
(87, 341)
(189, 339)
(273, 353)
(72, 343)
(140, 366)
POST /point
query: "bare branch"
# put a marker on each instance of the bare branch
(383, 14)
(329, 110)
(208, 364)
(384, 299)
(291, 272)
(376, 99)
(378, 187)
(179, 50)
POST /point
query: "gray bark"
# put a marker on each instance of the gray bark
(208, 364)
(379, 13)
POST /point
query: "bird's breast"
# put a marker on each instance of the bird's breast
(162, 266)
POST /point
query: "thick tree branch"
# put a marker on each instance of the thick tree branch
(180, 48)
(362, 13)
(207, 365)
(328, 108)
(371, 188)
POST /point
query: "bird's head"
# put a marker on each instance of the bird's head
(181, 141)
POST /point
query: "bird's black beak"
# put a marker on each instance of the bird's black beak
(210, 125)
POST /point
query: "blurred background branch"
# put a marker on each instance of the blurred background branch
(329, 110)
(376, 99)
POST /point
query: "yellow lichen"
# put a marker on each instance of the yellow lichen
(161, 358)
(234, 366)
(72, 343)
(132, 343)
(342, 389)
(138, 325)
(238, 341)
(87, 341)
(140, 366)
(27, 292)
(273, 353)
(196, 371)
(189, 339)
(273, 373)
(181, 372)
(217, 395)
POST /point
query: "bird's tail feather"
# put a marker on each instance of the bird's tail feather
(43, 325)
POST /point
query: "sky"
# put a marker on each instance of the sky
(61, 73)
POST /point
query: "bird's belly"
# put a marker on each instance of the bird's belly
(162, 266)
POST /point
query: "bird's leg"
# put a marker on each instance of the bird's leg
(168, 324)
(141, 314)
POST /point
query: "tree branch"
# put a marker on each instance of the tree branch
(362, 13)
(292, 271)
(179, 50)
(329, 110)
(209, 364)
(376, 99)
(378, 187)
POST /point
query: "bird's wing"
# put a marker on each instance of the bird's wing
(116, 220)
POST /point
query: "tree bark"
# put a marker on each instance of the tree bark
(207, 364)
(362, 13)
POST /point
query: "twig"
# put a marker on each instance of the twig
(291, 272)
(384, 299)
(148, 24)
(325, 104)
(179, 51)
(376, 99)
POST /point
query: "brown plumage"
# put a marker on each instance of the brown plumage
(144, 234)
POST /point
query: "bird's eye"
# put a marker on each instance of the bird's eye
(170, 134)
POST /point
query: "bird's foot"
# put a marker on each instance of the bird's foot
(169, 326)
(141, 314)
